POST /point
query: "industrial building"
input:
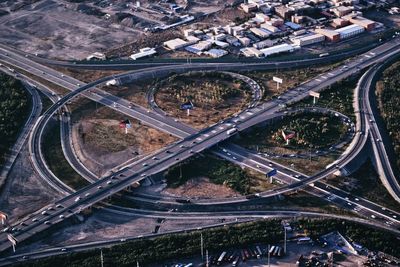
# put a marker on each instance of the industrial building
(361, 21)
(308, 39)
(263, 44)
(244, 41)
(216, 53)
(199, 47)
(251, 52)
(350, 31)
(282, 48)
(143, 52)
(260, 32)
(342, 10)
(175, 44)
(330, 35)
(269, 27)
(96, 55)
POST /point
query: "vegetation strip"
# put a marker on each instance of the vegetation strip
(174, 246)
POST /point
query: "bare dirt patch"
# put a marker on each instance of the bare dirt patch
(215, 96)
(24, 191)
(201, 187)
(103, 145)
(52, 28)
(86, 75)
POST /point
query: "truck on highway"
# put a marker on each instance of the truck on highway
(231, 131)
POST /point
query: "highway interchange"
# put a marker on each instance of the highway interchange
(193, 142)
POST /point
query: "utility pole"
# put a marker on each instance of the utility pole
(207, 263)
(101, 258)
(269, 263)
(284, 246)
(202, 246)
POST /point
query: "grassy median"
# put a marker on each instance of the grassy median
(56, 161)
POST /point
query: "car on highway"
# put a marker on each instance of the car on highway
(77, 199)
(47, 222)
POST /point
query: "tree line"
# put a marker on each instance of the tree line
(14, 109)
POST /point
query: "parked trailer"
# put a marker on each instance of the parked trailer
(221, 258)
(280, 252)
(276, 251)
(235, 261)
(259, 250)
(243, 255)
(271, 250)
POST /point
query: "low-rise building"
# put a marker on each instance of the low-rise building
(339, 22)
(263, 44)
(308, 40)
(144, 52)
(244, 41)
(350, 31)
(175, 44)
(219, 37)
(341, 11)
(261, 17)
(277, 49)
(293, 26)
(330, 35)
(192, 40)
(188, 32)
(216, 53)
(361, 21)
(251, 52)
(221, 44)
(250, 7)
(260, 32)
(199, 47)
(269, 27)
(96, 55)
(284, 12)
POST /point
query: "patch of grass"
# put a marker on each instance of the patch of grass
(109, 137)
(313, 130)
(308, 166)
(388, 95)
(203, 88)
(291, 78)
(56, 161)
(338, 96)
(219, 171)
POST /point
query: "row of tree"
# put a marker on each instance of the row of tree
(388, 91)
(14, 109)
(179, 246)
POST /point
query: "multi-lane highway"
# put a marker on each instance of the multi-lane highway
(183, 149)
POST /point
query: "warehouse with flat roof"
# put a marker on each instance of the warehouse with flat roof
(277, 49)
(175, 44)
(350, 31)
(308, 39)
(144, 52)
